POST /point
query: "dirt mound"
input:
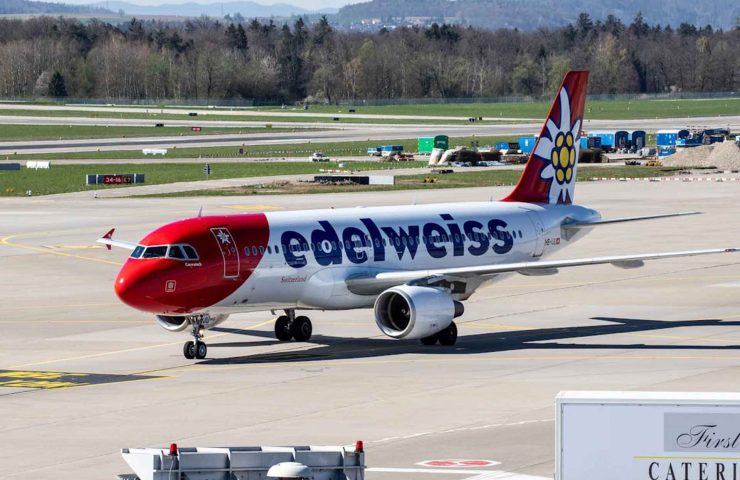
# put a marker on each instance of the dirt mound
(724, 156)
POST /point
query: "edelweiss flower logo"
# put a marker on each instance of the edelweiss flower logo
(224, 237)
(559, 150)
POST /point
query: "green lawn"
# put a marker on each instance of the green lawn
(612, 109)
(459, 179)
(12, 133)
(609, 110)
(213, 116)
(71, 178)
(256, 151)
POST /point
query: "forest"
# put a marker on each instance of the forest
(205, 59)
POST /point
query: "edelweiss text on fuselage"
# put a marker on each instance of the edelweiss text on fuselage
(326, 242)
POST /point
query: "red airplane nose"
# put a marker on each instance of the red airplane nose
(135, 286)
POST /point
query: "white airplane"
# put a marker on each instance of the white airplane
(414, 264)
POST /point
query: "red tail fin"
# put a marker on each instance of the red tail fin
(550, 173)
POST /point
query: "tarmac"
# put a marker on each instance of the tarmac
(672, 325)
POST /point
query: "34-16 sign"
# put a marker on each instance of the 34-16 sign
(118, 179)
(114, 178)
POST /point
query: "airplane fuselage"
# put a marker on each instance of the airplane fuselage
(303, 259)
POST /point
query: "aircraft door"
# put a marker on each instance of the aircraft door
(229, 251)
(539, 230)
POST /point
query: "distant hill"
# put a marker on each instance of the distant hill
(532, 14)
(246, 9)
(9, 7)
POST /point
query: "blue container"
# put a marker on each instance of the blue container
(607, 138)
(526, 144)
(637, 138)
(667, 138)
(621, 139)
(502, 145)
(590, 142)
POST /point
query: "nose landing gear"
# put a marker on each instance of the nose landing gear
(196, 348)
(289, 327)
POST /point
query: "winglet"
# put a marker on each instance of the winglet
(108, 236)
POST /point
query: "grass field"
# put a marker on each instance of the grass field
(614, 110)
(608, 110)
(12, 133)
(458, 179)
(71, 178)
(254, 151)
(213, 116)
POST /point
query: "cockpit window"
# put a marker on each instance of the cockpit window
(190, 252)
(174, 252)
(155, 252)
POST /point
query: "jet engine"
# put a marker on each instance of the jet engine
(413, 312)
(179, 323)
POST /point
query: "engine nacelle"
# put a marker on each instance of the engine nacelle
(415, 312)
(179, 323)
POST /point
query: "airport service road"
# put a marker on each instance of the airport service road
(672, 325)
(334, 133)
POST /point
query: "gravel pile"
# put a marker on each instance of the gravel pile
(724, 156)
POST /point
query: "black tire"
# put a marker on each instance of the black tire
(430, 340)
(301, 329)
(448, 336)
(282, 329)
(188, 350)
(201, 350)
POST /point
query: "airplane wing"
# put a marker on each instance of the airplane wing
(373, 284)
(108, 241)
(576, 226)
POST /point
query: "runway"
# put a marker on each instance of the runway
(316, 132)
(672, 325)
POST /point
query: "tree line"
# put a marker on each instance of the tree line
(207, 59)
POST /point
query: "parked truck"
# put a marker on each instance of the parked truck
(647, 435)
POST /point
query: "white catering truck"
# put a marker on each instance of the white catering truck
(648, 435)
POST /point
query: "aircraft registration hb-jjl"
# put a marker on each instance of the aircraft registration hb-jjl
(414, 264)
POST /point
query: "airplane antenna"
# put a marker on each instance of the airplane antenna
(200, 212)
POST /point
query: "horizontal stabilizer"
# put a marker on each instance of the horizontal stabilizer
(576, 226)
(108, 241)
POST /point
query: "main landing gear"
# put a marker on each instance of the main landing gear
(196, 348)
(289, 327)
(446, 337)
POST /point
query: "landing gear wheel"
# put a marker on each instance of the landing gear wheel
(448, 336)
(282, 329)
(188, 350)
(201, 350)
(301, 329)
(430, 340)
